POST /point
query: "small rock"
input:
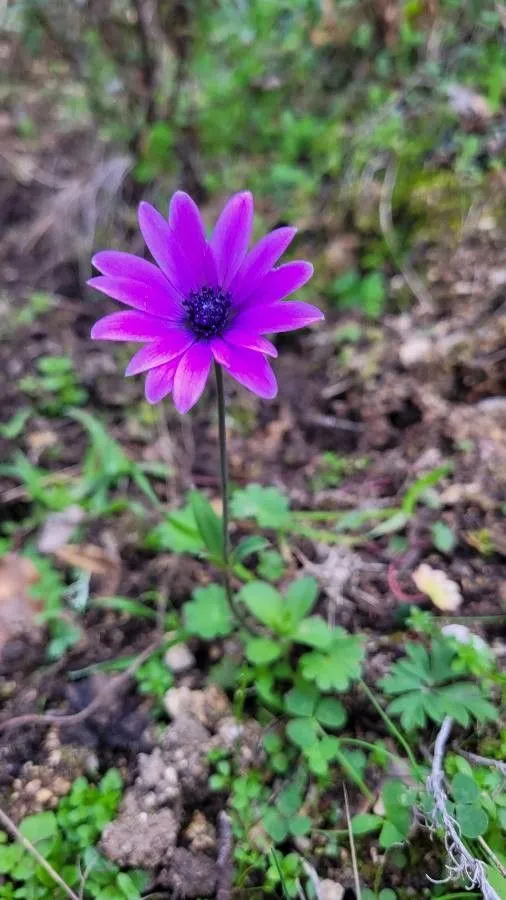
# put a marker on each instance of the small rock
(331, 890)
(200, 834)
(179, 659)
(61, 786)
(44, 796)
(33, 787)
(139, 838)
(415, 350)
(191, 875)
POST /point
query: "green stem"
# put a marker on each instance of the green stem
(222, 428)
(394, 731)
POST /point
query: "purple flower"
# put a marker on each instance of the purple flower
(203, 300)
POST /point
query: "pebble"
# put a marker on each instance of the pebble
(44, 796)
(330, 890)
(179, 659)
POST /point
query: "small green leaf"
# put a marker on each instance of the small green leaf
(320, 754)
(338, 666)
(301, 700)
(301, 597)
(271, 565)
(39, 827)
(330, 712)
(249, 545)
(208, 523)
(464, 788)
(315, 632)
(127, 886)
(443, 537)
(264, 601)
(365, 823)
(472, 819)
(275, 826)
(264, 504)
(208, 615)
(262, 651)
(389, 836)
(300, 825)
(303, 732)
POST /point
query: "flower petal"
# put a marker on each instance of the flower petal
(166, 250)
(187, 227)
(191, 376)
(241, 337)
(128, 326)
(159, 381)
(231, 236)
(259, 261)
(280, 282)
(278, 317)
(150, 298)
(248, 367)
(125, 265)
(161, 351)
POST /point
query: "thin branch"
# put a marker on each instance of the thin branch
(484, 761)
(12, 829)
(461, 865)
(105, 696)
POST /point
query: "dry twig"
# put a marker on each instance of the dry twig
(103, 697)
(12, 829)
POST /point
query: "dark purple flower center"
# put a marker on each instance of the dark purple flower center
(208, 310)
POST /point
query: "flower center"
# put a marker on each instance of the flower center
(207, 310)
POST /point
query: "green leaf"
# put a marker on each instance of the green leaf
(464, 788)
(395, 523)
(301, 700)
(303, 732)
(330, 712)
(443, 537)
(264, 504)
(418, 489)
(264, 601)
(39, 827)
(472, 819)
(319, 755)
(337, 667)
(365, 823)
(209, 525)
(248, 546)
(208, 615)
(398, 801)
(262, 651)
(14, 427)
(127, 887)
(389, 836)
(275, 825)
(178, 533)
(301, 597)
(271, 565)
(300, 825)
(315, 632)
(497, 881)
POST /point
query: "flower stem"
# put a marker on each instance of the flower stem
(238, 614)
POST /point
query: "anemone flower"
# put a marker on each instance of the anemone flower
(204, 300)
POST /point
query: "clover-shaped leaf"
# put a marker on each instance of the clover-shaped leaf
(208, 614)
